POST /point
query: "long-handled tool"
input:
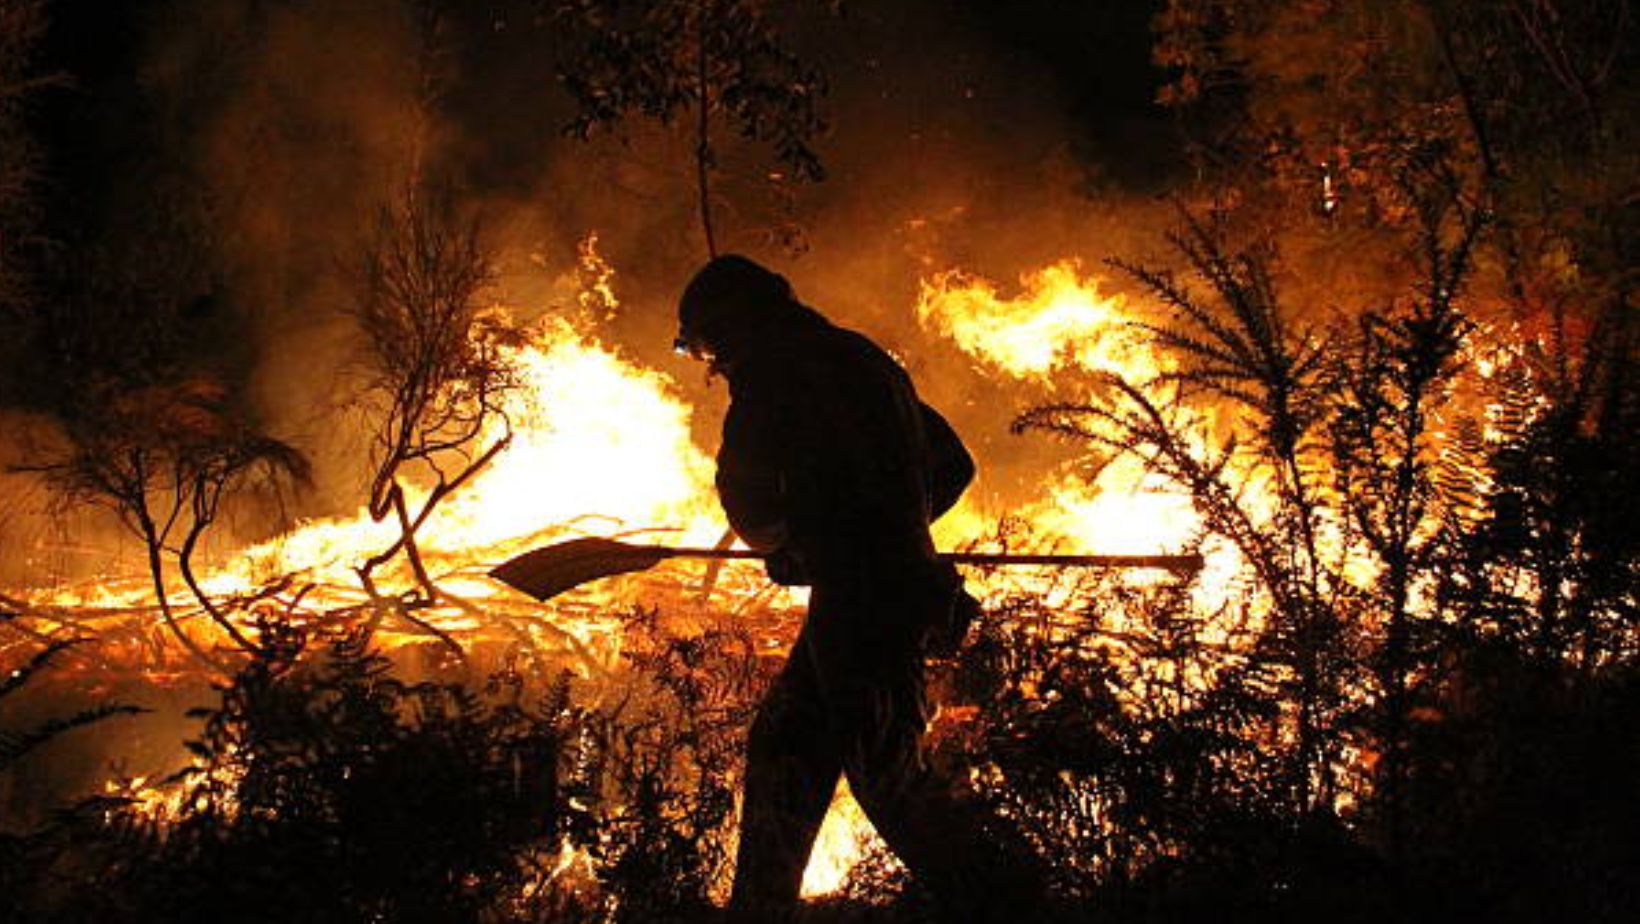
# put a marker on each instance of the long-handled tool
(546, 572)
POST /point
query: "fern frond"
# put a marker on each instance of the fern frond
(13, 745)
(38, 662)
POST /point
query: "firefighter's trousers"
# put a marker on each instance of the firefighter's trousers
(850, 701)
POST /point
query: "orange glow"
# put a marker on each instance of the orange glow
(602, 445)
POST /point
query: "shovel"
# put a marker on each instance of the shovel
(546, 572)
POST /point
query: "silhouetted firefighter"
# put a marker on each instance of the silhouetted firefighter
(832, 465)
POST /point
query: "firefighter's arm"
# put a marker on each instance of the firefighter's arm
(751, 480)
(950, 467)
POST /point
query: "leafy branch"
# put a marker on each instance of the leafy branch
(437, 369)
(706, 59)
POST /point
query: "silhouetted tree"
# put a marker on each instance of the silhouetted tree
(1393, 381)
(1481, 453)
(435, 371)
(1264, 486)
(707, 60)
(164, 459)
(127, 359)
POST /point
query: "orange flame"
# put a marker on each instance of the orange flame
(602, 445)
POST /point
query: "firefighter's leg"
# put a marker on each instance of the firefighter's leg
(792, 770)
(976, 866)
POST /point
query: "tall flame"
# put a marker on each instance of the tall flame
(1061, 323)
(1060, 320)
(597, 436)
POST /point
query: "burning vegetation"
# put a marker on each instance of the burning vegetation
(1375, 365)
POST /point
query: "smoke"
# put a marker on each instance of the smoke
(296, 122)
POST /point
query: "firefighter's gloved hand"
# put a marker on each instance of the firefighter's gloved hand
(784, 569)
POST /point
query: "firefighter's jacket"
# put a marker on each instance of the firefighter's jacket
(829, 459)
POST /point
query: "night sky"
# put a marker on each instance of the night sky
(1087, 62)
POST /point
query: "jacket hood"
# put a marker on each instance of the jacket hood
(734, 307)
